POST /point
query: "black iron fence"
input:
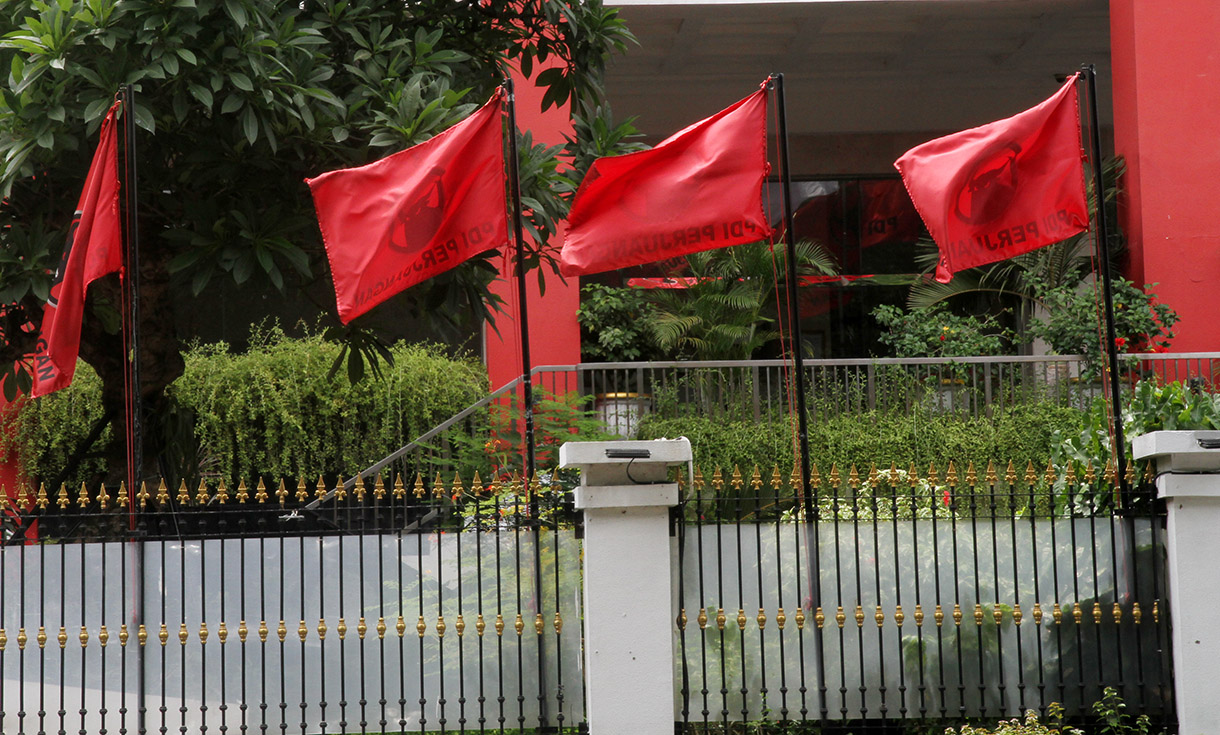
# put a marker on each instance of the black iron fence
(886, 599)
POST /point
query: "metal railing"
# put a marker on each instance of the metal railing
(620, 395)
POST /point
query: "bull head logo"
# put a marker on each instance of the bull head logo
(990, 185)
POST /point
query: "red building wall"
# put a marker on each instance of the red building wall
(554, 332)
(1166, 124)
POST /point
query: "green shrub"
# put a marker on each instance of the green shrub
(43, 433)
(270, 411)
(1020, 434)
(273, 410)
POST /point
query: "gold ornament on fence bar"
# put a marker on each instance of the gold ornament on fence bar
(222, 632)
(840, 616)
(362, 627)
(281, 630)
(957, 614)
(1037, 613)
(990, 477)
(260, 491)
(1077, 613)
(1096, 613)
(939, 616)
(539, 625)
(302, 492)
(23, 496)
(1050, 475)
(918, 616)
(741, 619)
(21, 638)
(184, 495)
(972, 476)
(103, 497)
(853, 479)
(899, 617)
(381, 628)
(438, 486)
(3, 639)
(761, 619)
(42, 501)
(62, 637)
(83, 498)
(997, 614)
(1016, 614)
(263, 631)
(499, 624)
(736, 481)
(440, 626)
(1010, 474)
(718, 481)
(558, 622)
(1156, 611)
(1090, 476)
(182, 634)
(859, 616)
(203, 632)
(702, 618)
(1031, 475)
(281, 493)
(242, 630)
(697, 484)
(681, 619)
(460, 625)
(879, 617)
(358, 489)
(873, 475)
(756, 482)
(720, 618)
(243, 495)
(800, 618)
(379, 487)
(1057, 613)
(535, 484)
(933, 479)
(302, 631)
(63, 496)
(480, 625)
(780, 618)
(222, 494)
(201, 497)
(341, 629)
(1118, 614)
(103, 636)
(163, 634)
(400, 626)
(519, 625)
(123, 634)
(951, 475)
(456, 489)
(142, 634)
(83, 637)
(319, 489)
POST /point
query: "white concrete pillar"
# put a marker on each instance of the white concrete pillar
(629, 658)
(1188, 478)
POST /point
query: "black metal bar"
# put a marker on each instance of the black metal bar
(1103, 247)
(132, 267)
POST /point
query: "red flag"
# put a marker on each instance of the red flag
(1003, 189)
(415, 214)
(94, 248)
(699, 189)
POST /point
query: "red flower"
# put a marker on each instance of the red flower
(945, 497)
(942, 338)
(1120, 342)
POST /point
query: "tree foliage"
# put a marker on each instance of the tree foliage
(237, 102)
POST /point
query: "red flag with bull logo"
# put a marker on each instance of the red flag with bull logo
(1002, 189)
(699, 189)
(94, 249)
(394, 223)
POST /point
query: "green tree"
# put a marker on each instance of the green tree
(238, 101)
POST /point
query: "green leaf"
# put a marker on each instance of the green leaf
(241, 81)
(145, 119)
(185, 53)
(232, 103)
(202, 94)
(249, 125)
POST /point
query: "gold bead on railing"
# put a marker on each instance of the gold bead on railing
(1096, 613)
(263, 631)
(899, 616)
(859, 616)
(720, 618)
(918, 616)
(281, 630)
(123, 634)
(163, 634)
(1037, 613)
(62, 637)
(203, 632)
(761, 619)
(362, 627)
(1077, 613)
(499, 624)
(879, 617)
(381, 628)
(557, 623)
(400, 626)
(840, 616)
(702, 618)
(519, 625)
(302, 631)
(183, 634)
(480, 625)
(1057, 613)
(539, 624)
(799, 618)
(997, 614)
(460, 625)
(681, 619)
(939, 616)
(242, 630)
(780, 618)
(741, 619)
(440, 626)
(1016, 614)
(957, 614)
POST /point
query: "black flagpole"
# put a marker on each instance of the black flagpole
(132, 268)
(514, 182)
(777, 81)
(1103, 247)
(794, 316)
(135, 429)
